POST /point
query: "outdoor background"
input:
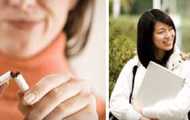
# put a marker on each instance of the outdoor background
(124, 15)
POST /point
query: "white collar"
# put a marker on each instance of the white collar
(174, 61)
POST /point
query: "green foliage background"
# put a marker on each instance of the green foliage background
(122, 45)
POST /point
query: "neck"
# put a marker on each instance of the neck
(50, 60)
(159, 54)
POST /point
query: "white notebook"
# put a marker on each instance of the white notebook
(159, 84)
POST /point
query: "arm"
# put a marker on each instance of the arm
(101, 107)
(119, 102)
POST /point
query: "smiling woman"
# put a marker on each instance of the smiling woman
(30, 22)
(156, 37)
(36, 38)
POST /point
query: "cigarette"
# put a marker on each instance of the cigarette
(5, 78)
(21, 82)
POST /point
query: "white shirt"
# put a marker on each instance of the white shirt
(175, 109)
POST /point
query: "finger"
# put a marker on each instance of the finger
(47, 104)
(23, 108)
(72, 106)
(2, 88)
(87, 113)
(43, 87)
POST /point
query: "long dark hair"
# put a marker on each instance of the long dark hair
(145, 29)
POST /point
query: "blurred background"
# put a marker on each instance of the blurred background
(123, 17)
(90, 64)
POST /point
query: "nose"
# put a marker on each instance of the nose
(168, 34)
(22, 4)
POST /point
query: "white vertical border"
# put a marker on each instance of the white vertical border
(107, 59)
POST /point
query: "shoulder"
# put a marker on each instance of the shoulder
(178, 64)
(131, 63)
(127, 69)
(185, 70)
(175, 61)
(186, 65)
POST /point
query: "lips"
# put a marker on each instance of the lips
(23, 24)
(168, 43)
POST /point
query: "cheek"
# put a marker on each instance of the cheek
(58, 20)
(158, 42)
(57, 16)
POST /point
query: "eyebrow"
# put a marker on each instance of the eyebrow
(160, 29)
(164, 28)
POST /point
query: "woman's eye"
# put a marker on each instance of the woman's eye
(160, 32)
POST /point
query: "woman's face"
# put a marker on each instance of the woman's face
(163, 36)
(28, 26)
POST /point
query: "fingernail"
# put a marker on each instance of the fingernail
(28, 99)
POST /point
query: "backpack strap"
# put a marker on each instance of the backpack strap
(133, 82)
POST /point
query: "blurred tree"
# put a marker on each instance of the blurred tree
(122, 39)
(129, 6)
(140, 6)
(126, 5)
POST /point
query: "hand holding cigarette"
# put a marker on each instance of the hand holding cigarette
(57, 97)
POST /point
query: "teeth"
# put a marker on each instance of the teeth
(167, 42)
